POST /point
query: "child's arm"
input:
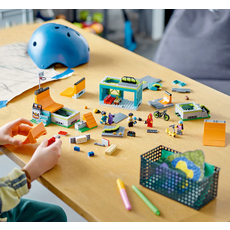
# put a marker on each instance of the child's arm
(20, 126)
(17, 183)
(12, 188)
(44, 158)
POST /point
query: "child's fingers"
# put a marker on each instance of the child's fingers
(24, 129)
(21, 121)
(44, 143)
(13, 141)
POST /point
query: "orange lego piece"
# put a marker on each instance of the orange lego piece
(214, 133)
(78, 87)
(167, 99)
(35, 133)
(43, 98)
(89, 119)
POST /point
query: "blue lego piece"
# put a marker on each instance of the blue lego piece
(76, 148)
(180, 83)
(90, 154)
(154, 86)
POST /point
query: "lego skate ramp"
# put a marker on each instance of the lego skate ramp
(43, 98)
(214, 133)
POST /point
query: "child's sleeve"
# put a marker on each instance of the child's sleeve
(12, 188)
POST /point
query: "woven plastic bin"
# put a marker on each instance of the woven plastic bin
(174, 185)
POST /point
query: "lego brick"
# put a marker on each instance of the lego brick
(76, 148)
(111, 149)
(105, 141)
(90, 154)
(99, 144)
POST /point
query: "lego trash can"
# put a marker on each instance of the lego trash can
(174, 185)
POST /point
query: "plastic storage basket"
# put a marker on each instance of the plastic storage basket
(174, 185)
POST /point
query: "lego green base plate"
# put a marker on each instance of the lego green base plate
(86, 129)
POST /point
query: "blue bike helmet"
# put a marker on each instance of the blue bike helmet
(54, 43)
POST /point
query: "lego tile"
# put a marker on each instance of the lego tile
(120, 130)
(181, 90)
(119, 117)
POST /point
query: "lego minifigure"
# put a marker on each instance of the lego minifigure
(131, 120)
(149, 120)
(180, 128)
(103, 118)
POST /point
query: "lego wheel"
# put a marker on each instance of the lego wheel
(166, 117)
(156, 114)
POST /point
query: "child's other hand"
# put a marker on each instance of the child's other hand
(20, 126)
(44, 158)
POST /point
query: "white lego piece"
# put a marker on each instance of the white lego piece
(111, 149)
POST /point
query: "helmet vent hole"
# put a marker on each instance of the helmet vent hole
(77, 33)
(68, 34)
(34, 43)
(56, 27)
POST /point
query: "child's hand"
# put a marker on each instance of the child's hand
(44, 158)
(20, 126)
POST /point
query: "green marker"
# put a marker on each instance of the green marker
(147, 202)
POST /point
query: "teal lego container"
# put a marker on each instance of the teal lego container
(176, 185)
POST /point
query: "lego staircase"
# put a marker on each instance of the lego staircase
(45, 118)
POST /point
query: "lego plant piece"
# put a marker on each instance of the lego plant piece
(111, 149)
(77, 91)
(35, 133)
(191, 111)
(214, 133)
(163, 114)
(164, 102)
